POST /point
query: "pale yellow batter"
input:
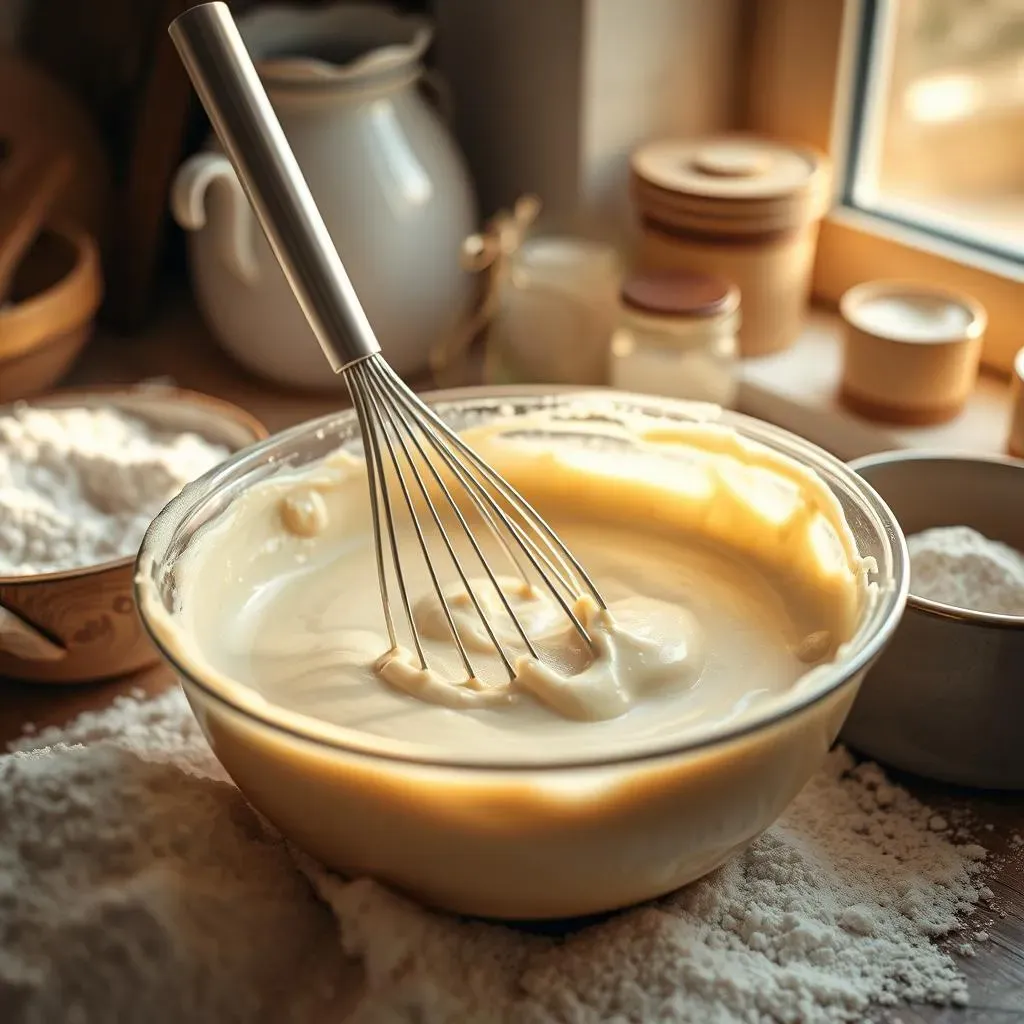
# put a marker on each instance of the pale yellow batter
(725, 584)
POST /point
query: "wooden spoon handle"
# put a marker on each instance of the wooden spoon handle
(31, 185)
(24, 641)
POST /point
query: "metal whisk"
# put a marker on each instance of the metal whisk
(437, 474)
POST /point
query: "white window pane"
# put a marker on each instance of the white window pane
(940, 138)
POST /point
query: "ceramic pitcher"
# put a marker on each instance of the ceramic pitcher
(346, 82)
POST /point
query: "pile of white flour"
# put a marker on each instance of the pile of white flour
(958, 566)
(80, 486)
(136, 884)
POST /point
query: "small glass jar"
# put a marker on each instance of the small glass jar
(557, 311)
(676, 337)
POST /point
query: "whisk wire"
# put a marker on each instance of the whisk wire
(468, 482)
(509, 493)
(401, 436)
(481, 498)
(394, 413)
(375, 465)
(410, 462)
(378, 425)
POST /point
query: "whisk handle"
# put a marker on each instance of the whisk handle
(222, 72)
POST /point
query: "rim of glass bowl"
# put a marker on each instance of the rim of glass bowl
(163, 543)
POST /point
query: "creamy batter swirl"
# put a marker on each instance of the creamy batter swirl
(727, 579)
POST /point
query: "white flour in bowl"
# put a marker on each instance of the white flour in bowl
(136, 884)
(958, 566)
(80, 486)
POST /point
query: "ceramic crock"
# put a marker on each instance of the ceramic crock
(346, 82)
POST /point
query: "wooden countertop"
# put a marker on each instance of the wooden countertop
(179, 348)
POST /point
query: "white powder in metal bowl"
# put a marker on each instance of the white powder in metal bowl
(958, 566)
(137, 885)
(80, 485)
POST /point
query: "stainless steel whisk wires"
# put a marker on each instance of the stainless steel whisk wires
(399, 432)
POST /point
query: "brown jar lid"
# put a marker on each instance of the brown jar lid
(678, 293)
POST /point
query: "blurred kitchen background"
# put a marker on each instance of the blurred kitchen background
(670, 196)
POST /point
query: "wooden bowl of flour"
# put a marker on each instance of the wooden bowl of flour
(81, 625)
(946, 697)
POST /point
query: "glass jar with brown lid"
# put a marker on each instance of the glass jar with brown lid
(676, 337)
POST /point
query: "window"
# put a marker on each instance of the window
(937, 125)
(920, 103)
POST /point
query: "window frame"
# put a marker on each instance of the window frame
(801, 86)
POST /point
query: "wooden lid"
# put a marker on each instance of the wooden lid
(736, 168)
(678, 293)
(745, 181)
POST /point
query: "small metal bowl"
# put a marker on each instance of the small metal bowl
(946, 697)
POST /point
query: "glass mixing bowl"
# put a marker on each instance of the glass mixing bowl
(548, 839)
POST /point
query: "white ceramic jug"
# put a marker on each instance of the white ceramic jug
(384, 170)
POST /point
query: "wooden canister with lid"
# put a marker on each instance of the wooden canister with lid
(911, 351)
(738, 207)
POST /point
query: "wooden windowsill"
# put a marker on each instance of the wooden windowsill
(176, 348)
(797, 389)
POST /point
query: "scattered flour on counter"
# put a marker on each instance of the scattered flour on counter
(80, 486)
(136, 884)
(958, 566)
